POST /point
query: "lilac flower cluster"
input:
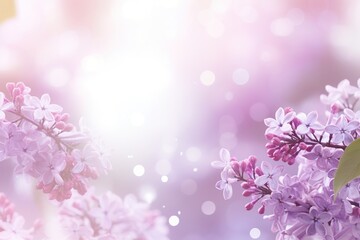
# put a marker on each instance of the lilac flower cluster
(108, 217)
(303, 206)
(37, 136)
(12, 223)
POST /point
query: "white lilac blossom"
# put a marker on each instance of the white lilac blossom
(303, 206)
(37, 136)
(107, 216)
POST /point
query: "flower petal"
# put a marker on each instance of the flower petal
(225, 155)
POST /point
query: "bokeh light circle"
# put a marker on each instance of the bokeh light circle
(174, 221)
(208, 208)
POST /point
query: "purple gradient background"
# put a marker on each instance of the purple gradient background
(133, 70)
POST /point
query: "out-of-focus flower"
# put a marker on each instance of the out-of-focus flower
(106, 216)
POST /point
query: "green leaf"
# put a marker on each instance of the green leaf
(349, 166)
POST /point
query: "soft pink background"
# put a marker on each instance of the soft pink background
(167, 83)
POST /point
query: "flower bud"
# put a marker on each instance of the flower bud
(258, 171)
(335, 108)
(68, 127)
(16, 92)
(65, 117)
(247, 193)
(10, 87)
(249, 206)
(261, 209)
(245, 185)
(243, 166)
(303, 146)
(252, 161)
(235, 167)
(60, 125)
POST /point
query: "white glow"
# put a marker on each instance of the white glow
(147, 193)
(137, 9)
(193, 154)
(137, 119)
(174, 220)
(164, 179)
(207, 78)
(114, 88)
(139, 170)
(255, 233)
(241, 76)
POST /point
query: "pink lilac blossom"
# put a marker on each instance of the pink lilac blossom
(37, 136)
(12, 223)
(107, 216)
(302, 206)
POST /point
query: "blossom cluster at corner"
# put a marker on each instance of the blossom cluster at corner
(12, 224)
(108, 217)
(37, 136)
(303, 205)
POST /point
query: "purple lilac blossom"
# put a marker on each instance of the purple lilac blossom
(303, 206)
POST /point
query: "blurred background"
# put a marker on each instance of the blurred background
(167, 83)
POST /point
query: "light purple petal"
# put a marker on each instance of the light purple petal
(45, 99)
(350, 113)
(289, 117)
(54, 108)
(227, 192)
(286, 128)
(317, 126)
(78, 168)
(352, 125)
(312, 117)
(304, 217)
(348, 139)
(311, 155)
(47, 177)
(225, 155)
(302, 129)
(2, 115)
(278, 169)
(48, 116)
(220, 185)
(38, 114)
(279, 115)
(311, 229)
(270, 122)
(58, 178)
(266, 167)
(261, 180)
(338, 138)
(218, 164)
(332, 129)
(35, 102)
